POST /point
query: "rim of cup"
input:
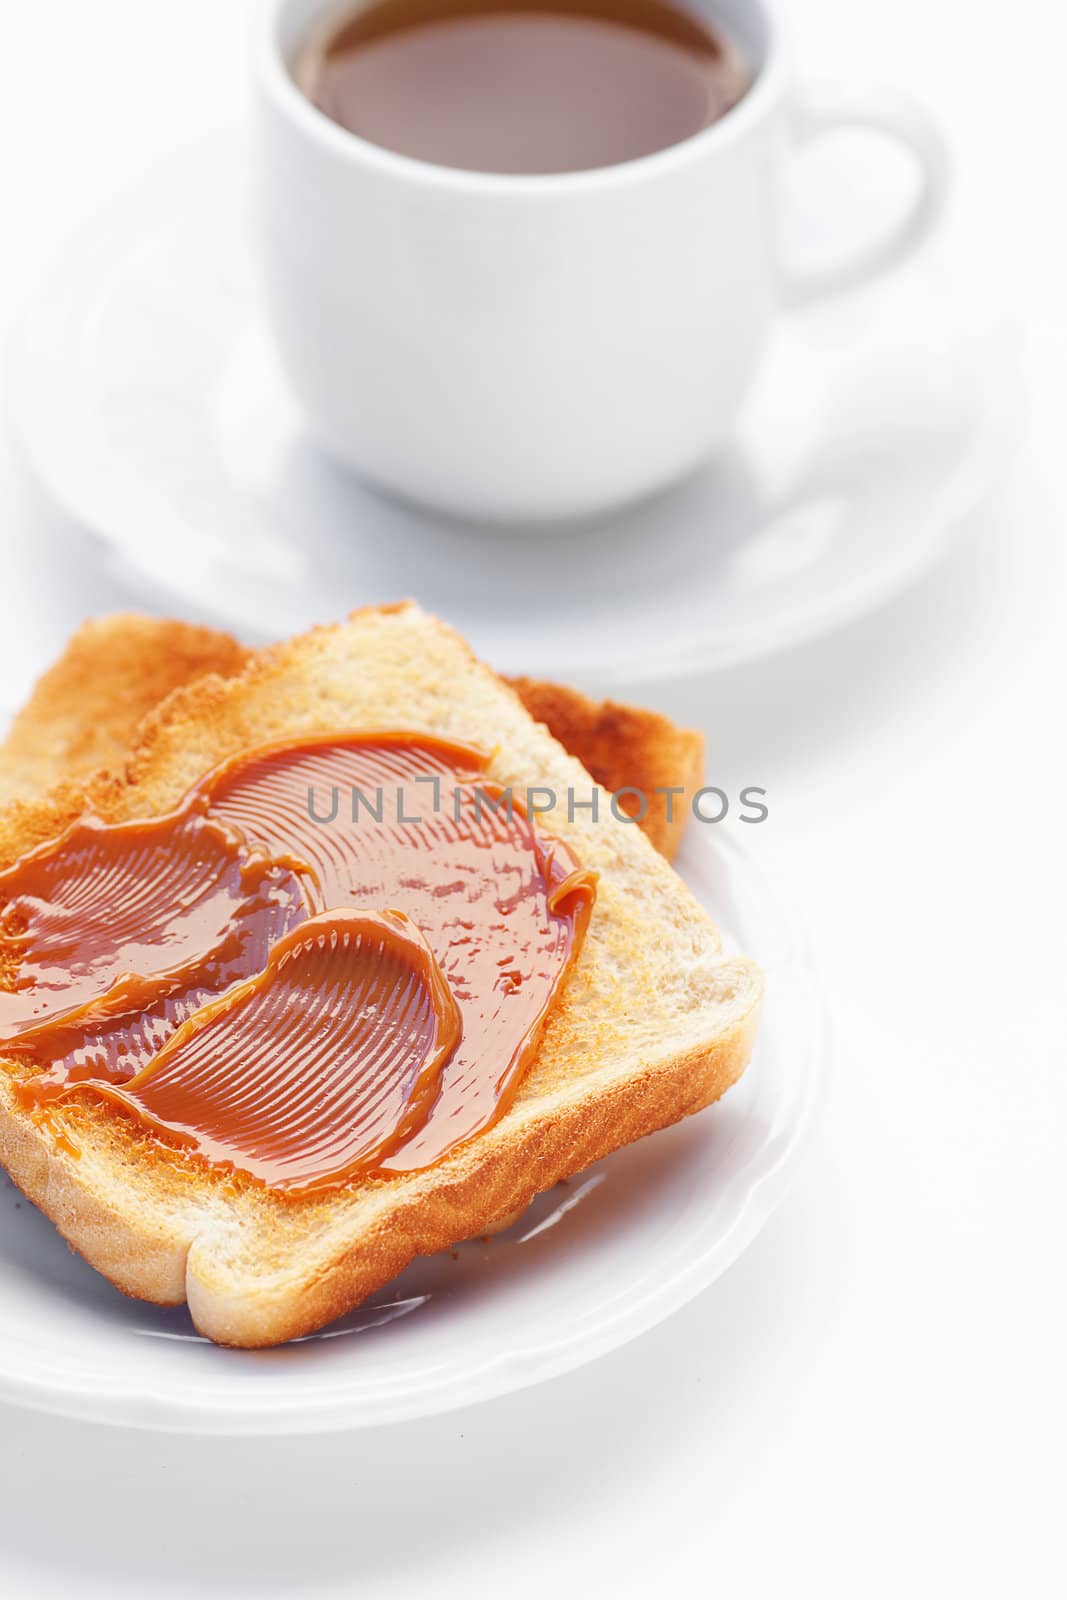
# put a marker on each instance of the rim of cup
(274, 74)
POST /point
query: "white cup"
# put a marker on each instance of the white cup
(517, 349)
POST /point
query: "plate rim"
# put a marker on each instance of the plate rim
(143, 1408)
(992, 443)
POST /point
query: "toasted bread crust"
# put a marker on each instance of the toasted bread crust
(467, 1201)
(158, 1264)
(85, 712)
(625, 748)
(652, 1023)
(146, 1263)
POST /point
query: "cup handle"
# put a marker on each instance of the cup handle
(826, 111)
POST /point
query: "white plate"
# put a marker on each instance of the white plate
(593, 1264)
(145, 392)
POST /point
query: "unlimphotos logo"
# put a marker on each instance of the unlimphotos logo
(630, 804)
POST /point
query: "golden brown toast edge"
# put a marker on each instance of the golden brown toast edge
(84, 714)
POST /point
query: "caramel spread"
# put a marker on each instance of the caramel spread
(112, 937)
(368, 1024)
(334, 958)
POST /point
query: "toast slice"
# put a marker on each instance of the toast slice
(85, 710)
(653, 1022)
(84, 713)
(625, 747)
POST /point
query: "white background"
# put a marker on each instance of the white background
(872, 1402)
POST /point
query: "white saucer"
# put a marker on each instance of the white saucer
(146, 395)
(594, 1263)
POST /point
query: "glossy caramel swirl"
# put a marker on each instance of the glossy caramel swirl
(318, 1066)
(416, 831)
(112, 937)
(335, 958)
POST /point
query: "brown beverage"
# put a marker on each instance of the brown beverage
(530, 86)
